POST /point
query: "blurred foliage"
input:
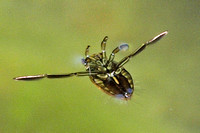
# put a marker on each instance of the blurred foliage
(46, 36)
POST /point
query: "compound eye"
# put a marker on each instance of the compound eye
(83, 61)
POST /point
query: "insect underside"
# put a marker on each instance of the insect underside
(108, 75)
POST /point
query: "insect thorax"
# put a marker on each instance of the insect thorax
(94, 63)
(113, 81)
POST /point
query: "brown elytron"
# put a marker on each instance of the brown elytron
(107, 74)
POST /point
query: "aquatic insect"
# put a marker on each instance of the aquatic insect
(108, 75)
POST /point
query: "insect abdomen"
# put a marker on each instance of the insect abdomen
(120, 85)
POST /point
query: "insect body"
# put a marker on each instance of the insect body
(107, 74)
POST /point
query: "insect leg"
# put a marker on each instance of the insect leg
(87, 51)
(141, 48)
(35, 77)
(71, 74)
(103, 48)
(121, 47)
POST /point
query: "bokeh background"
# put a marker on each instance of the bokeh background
(46, 36)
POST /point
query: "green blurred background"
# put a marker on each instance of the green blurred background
(46, 36)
